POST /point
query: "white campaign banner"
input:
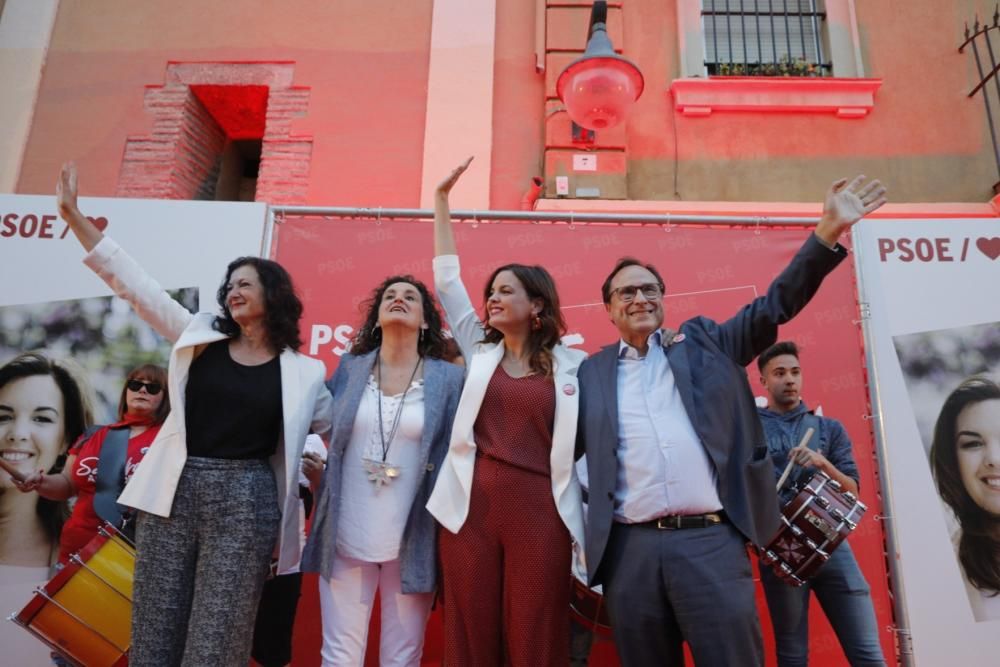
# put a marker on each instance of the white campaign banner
(180, 243)
(53, 305)
(933, 306)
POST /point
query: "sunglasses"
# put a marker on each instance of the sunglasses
(152, 388)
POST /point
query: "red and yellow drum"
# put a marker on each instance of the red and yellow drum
(85, 611)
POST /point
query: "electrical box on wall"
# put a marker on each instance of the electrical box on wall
(594, 174)
(562, 186)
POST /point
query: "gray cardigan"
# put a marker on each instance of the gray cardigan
(418, 550)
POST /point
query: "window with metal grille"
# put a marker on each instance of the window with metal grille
(764, 37)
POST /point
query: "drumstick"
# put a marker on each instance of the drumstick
(791, 462)
(12, 471)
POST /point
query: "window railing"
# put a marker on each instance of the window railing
(764, 38)
(978, 41)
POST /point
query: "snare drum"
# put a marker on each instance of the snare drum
(84, 612)
(813, 524)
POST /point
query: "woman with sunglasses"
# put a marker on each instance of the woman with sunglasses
(92, 467)
(507, 493)
(219, 487)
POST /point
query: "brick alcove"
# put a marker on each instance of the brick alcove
(201, 106)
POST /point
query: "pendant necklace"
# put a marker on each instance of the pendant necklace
(382, 472)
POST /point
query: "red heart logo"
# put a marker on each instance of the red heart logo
(102, 223)
(989, 247)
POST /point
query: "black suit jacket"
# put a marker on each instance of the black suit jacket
(708, 360)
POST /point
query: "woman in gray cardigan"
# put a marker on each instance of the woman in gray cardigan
(395, 398)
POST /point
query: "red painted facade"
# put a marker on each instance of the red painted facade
(365, 72)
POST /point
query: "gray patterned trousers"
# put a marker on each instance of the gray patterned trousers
(199, 573)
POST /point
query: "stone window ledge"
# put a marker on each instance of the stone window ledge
(846, 98)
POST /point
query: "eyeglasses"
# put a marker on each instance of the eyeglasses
(152, 388)
(627, 293)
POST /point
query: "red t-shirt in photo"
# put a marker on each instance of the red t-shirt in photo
(83, 523)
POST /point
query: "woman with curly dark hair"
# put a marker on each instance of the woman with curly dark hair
(219, 485)
(507, 494)
(965, 458)
(394, 397)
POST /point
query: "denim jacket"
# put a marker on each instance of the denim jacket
(784, 431)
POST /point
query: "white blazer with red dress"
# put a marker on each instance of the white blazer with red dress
(449, 502)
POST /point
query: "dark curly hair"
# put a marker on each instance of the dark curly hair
(283, 307)
(978, 547)
(150, 373)
(538, 284)
(78, 414)
(432, 343)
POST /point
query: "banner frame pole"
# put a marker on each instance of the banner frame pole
(267, 243)
(904, 640)
(540, 216)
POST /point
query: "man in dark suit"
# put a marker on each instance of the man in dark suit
(680, 477)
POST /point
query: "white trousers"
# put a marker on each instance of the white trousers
(346, 601)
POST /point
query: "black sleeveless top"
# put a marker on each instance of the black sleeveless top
(232, 411)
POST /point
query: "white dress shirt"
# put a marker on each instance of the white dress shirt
(663, 469)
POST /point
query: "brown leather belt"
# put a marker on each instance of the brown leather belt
(680, 522)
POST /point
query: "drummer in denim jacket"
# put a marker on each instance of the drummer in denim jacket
(839, 586)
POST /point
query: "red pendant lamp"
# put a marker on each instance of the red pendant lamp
(599, 87)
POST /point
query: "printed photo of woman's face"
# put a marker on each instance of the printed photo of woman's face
(977, 441)
(31, 424)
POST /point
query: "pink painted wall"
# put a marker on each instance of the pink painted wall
(366, 65)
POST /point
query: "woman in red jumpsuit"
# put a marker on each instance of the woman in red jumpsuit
(507, 494)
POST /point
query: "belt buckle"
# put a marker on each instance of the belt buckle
(668, 523)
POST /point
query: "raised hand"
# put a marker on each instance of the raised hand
(444, 240)
(445, 186)
(66, 190)
(66, 194)
(846, 203)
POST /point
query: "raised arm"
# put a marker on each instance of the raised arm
(458, 310)
(755, 326)
(113, 265)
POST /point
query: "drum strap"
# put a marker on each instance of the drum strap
(111, 475)
(809, 420)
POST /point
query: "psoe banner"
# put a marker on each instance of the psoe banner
(52, 304)
(708, 271)
(933, 337)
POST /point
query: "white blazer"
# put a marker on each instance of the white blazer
(305, 402)
(449, 502)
